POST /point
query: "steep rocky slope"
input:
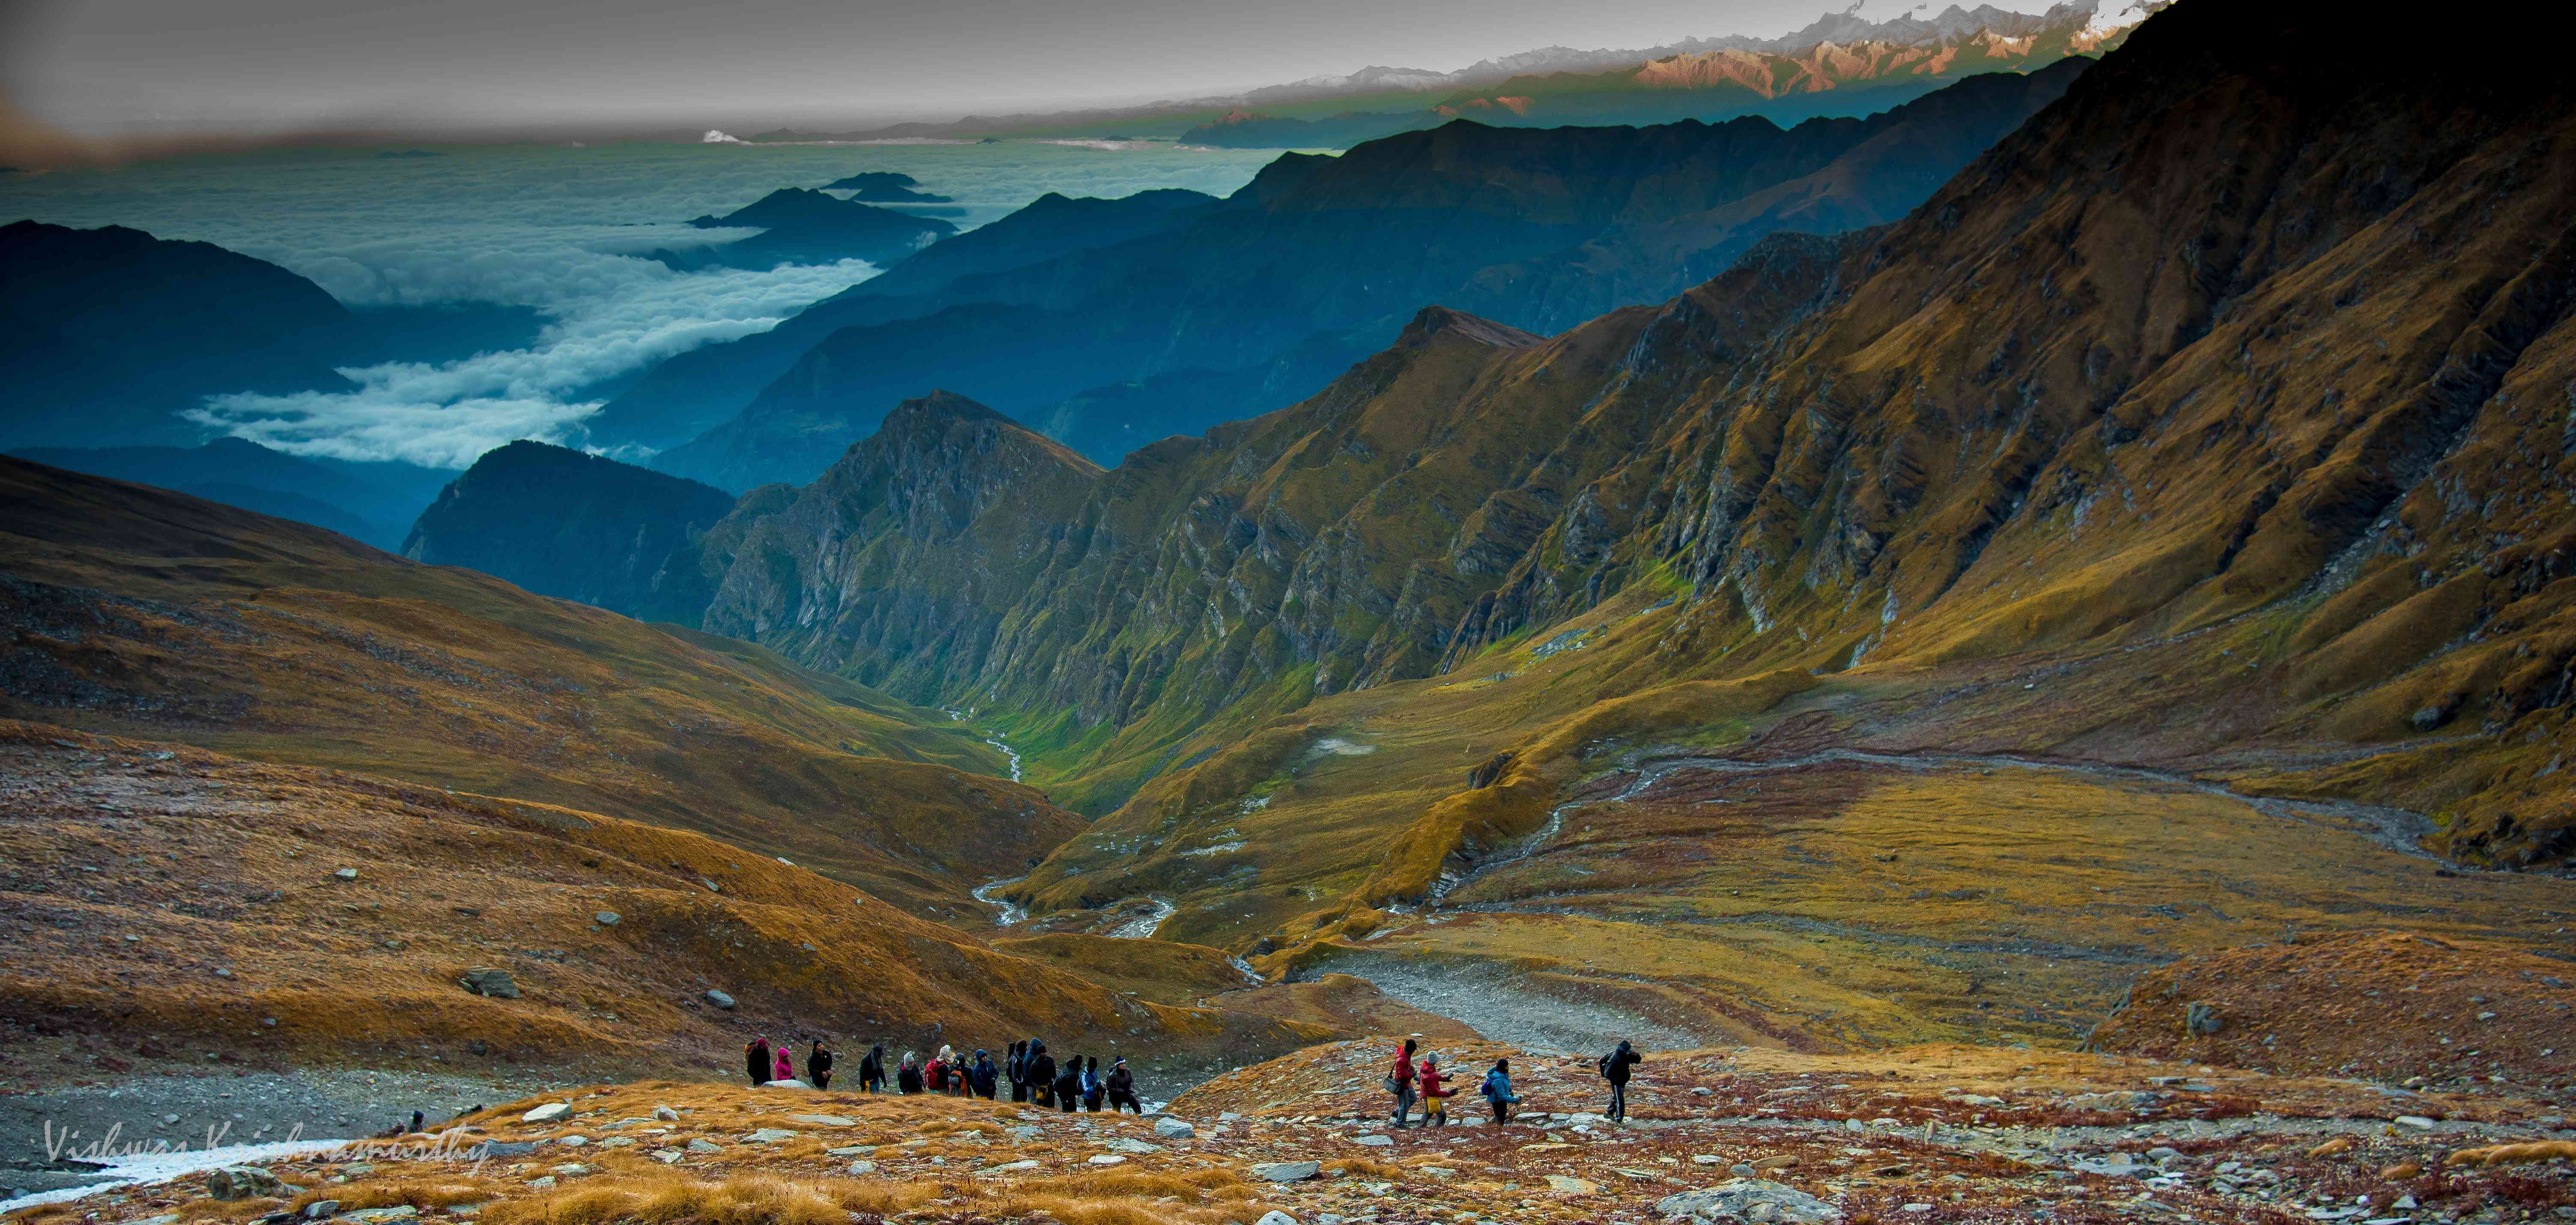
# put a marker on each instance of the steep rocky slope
(1318, 262)
(563, 523)
(2196, 452)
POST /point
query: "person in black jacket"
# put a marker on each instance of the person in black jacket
(872, 1070)
(756, 1057)
(1121, 1089)
(1615, 1068)
(907, 1079)
(1041, 1074)
(818, 1066)
(1068, 1085)
(1015, 1067)
(982, 1078)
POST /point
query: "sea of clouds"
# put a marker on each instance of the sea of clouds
(557, 228)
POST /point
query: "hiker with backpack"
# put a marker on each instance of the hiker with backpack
(1497, 1090)
(1399, 1082)
(755, 1055)
(1120, 1088)
(1615, 1069)
(872, 1073)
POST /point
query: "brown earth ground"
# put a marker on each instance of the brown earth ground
(1921, 1134)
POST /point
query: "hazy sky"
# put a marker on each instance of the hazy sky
(102, 66)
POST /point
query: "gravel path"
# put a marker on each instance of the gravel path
(1489, 1002)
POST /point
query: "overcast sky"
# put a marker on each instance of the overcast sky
(108, 66)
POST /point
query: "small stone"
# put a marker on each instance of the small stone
(484, 980)
(605, 918)
(547, 1113)
(1276, 1217)
(1013, 1167)
(719, 998)
(542, 1182)
(1287, 1171)
(862, 1168)
(2416, 1121)
(703, 1145)
(572, 1141)
(321, 1208)
(346, 874)
(1374, 1140)
(1105, 1159)
(571, 1169)
(1571, 1185)
(769, 1135)
(823, 1120)
(1171, 1128)
(666, 1114)
(1740, 1196)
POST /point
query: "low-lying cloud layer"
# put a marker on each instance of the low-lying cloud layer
(556, 228)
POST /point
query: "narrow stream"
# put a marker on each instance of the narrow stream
(1143, 928)
(1007, 912)
(992, 738)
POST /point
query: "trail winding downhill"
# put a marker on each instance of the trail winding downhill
(2396, 829)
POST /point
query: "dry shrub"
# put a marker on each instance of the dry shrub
(41, 1214)
(882, 1198)
(648, 1201)
(1092, 1211)
(227, 1210)
(1188, 1185)
(2514, 1154)
(1359, 1166)
(353, 1196)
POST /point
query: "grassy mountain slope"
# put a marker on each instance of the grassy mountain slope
(167, 897)
(138, 611)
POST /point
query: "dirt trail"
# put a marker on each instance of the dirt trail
(2396, 829)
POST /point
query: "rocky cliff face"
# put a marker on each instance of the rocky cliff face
(562, 523)
(901, 562)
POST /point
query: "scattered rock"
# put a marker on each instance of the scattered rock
(701, 1144)
(547, 1113)
(1275, 1217)
(484, 980)
(605, 918)
(666, 1114)
(345, 874)
(769, 1135)
(1287, 1171)
(1105, 1159)
(1571, 1185)
(823, 1120)
(242, 1182)
(1171, 1128)
(1742, 1196)
(321, 1208)
(862, 1168)
(719, 998)
(1374, 1140)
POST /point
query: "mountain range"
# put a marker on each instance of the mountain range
(2072, 546)
(2157, 530)
(1071, 316)
(1841, 64)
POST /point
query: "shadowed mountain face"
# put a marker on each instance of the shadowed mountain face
(798, 226)
(110, 334)
(1315, 264)
(373, 502)
(562, 523)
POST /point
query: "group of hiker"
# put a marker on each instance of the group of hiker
(1413, 1081)
(1032, 1073)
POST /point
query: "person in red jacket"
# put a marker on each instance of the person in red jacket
(1400, 1083)
(1435, 1100)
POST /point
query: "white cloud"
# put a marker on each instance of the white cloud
(554, 228)
(715, 137)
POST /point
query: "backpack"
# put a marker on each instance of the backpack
(1603, 1063)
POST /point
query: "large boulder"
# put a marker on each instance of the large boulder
(1287, 1171)
(1740, 1196)
(547, 1113)
(1171, 1128)
(242, 1182)
(484, 980)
